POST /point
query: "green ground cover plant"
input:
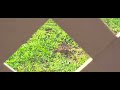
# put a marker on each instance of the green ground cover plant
(50, 49)
(113, 24)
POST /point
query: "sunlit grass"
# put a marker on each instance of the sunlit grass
(113, 24)
(38, 53)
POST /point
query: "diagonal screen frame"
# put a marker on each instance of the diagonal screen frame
(90, 33)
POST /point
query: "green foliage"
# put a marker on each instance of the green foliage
(36, 55)
(113, 24)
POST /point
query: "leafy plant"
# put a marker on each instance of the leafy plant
(113, 24)
(37, 54)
